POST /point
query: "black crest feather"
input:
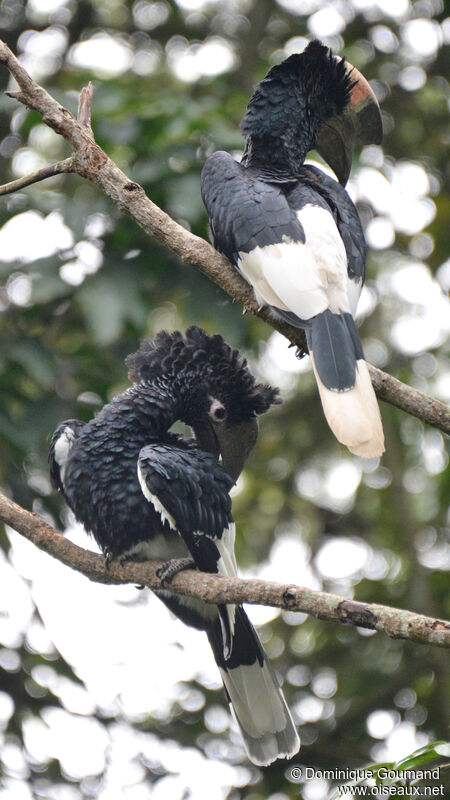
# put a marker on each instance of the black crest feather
(314, 81)
(205, 358)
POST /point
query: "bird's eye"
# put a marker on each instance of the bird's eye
(217, 411)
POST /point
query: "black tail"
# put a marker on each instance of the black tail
(255, 697)
(346, 391)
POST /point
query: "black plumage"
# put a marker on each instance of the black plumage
(294, 233)
(289, 107)
(144, 492)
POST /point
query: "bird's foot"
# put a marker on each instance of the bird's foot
(170, 568)
(123, 559)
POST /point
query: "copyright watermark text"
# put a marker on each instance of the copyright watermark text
(361, 782)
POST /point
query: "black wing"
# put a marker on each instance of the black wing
(245, 212)
(190, 490)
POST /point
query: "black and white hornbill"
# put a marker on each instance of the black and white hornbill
(293, 232)
(144, 492)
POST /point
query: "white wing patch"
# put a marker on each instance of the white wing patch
(284, 275)
(304, 278)
(154, 500)
(326, 247)
(354, 286)
(226, 565)
(63, 446)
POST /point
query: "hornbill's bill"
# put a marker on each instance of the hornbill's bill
(144, 492)
(293, 232)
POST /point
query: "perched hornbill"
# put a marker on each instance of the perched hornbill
(293, 232)
(144, 492)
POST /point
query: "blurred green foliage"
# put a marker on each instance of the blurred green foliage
(70, 317)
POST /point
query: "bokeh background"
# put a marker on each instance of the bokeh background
(102, 694)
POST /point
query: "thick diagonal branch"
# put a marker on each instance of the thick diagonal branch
(395, 622)
(92, 163)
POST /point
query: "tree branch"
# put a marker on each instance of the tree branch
(41, 174)
(92, 163)
(396, 623)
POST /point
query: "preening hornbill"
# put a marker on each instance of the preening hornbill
(293, 232)
(144, 492)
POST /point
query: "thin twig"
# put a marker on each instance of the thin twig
(85, 107)
(92, 163)
(41, 174)
(394, 622)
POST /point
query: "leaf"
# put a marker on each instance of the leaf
(423, 755)
(443, 749)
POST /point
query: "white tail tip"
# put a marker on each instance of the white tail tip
(260, 710)
(354, 415)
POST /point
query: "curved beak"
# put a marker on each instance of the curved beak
(236, 443)
(359, 124)
(233, 443)
(206, 437)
